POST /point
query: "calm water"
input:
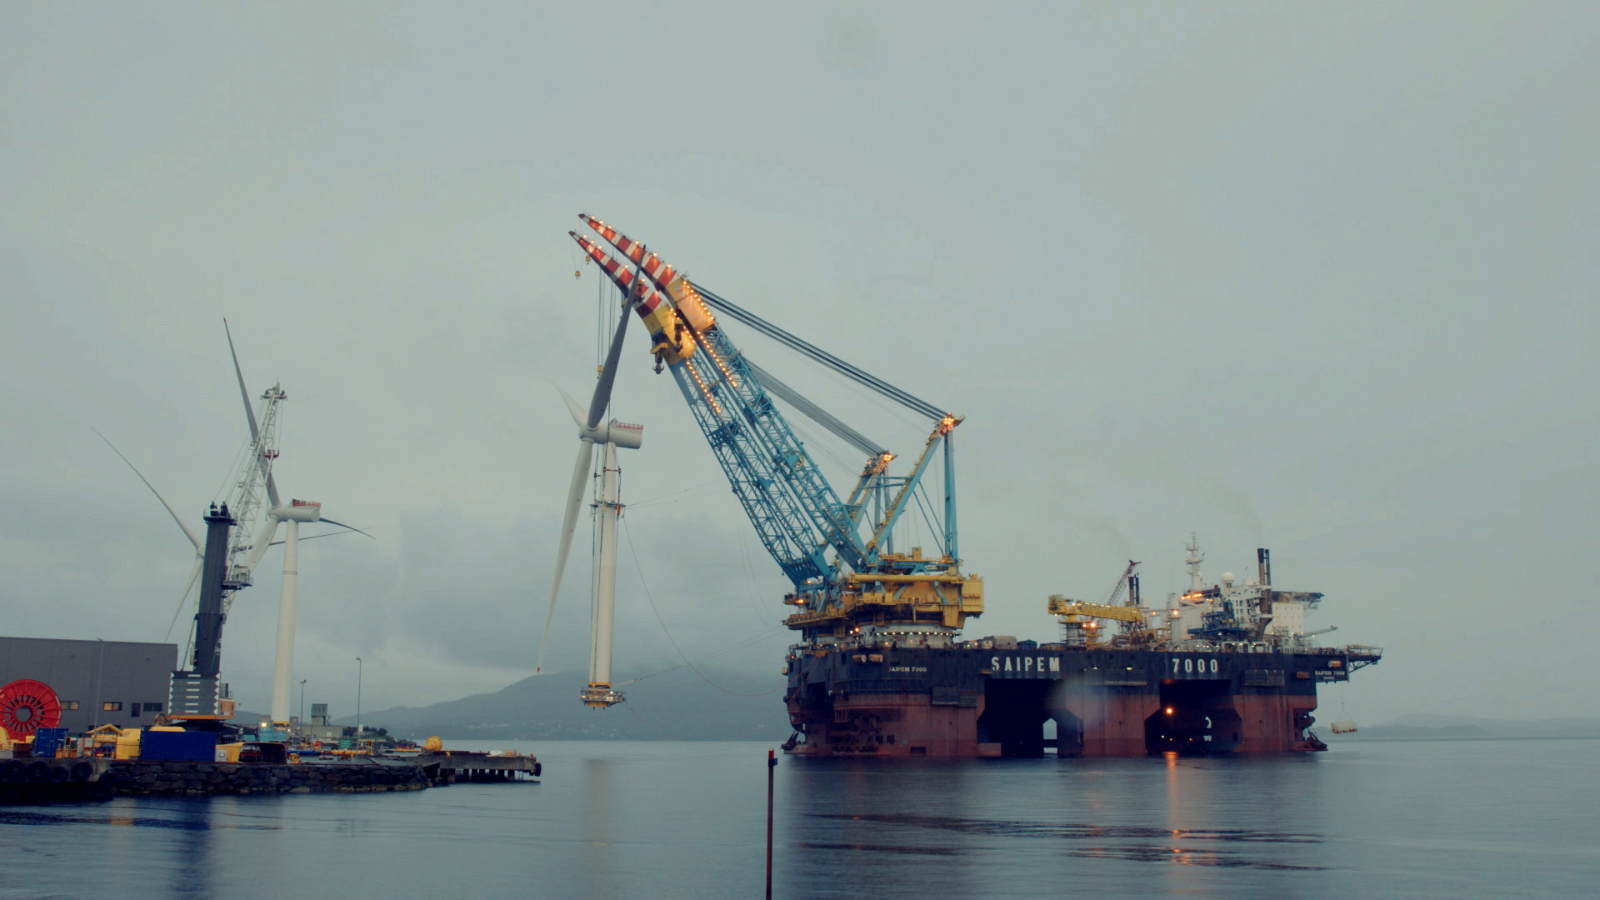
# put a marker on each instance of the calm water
(665, 820)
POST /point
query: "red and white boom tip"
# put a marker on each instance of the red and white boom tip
(655, 268)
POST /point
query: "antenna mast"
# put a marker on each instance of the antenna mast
(1197, 581)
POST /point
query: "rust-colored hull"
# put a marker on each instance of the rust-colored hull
(961, 702)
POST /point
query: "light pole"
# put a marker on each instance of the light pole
(358, 698)
(302, 704)
(100, 668)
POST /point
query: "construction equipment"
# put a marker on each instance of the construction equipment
(196, 693)
(1077, 616)
(850, 584)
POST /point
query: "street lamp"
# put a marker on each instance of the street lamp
(302, 704)
(358, 698)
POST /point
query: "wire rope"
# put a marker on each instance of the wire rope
(903, 397)
(633, 551)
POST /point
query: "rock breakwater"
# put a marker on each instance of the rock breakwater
(201, 779)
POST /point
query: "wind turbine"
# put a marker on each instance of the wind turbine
(264, 447)
(614, 434)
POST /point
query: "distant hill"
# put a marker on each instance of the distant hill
(1468, 728)
(675, 705)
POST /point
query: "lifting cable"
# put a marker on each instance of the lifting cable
(883, 387)
(814, 412)
(635, 554)
(661, 498)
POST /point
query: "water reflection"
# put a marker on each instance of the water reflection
(1186, 857)
(667, 822)
(594, 876)
(852, 826)
(190, 865)
(1007, 827)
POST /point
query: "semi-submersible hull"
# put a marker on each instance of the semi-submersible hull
(965, 701)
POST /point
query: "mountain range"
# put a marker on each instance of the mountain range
(722, 705)
(683, 704)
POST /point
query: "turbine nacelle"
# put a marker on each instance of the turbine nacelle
(297, 511)
(620, 434)
(624, 435)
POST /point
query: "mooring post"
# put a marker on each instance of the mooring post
(772, 763)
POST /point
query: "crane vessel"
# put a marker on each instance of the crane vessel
(879, 666)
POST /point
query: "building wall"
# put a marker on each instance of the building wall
(133, 678)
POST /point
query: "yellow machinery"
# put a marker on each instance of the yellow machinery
(1078, 618)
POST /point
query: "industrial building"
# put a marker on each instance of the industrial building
(122, 683)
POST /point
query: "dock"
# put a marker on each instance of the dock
(458, 766)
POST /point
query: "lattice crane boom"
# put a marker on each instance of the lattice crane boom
(842, 579)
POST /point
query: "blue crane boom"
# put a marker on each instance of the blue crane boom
(797, 514)
(766, 462)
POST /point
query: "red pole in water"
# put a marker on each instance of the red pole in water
(772, 763)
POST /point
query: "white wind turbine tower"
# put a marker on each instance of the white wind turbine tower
(264, 450)
(614, 434)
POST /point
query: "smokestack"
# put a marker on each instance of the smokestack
(1133, 590)
(1264, 562)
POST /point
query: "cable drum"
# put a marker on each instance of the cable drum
(27, 706)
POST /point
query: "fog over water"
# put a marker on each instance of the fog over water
(1313, 278)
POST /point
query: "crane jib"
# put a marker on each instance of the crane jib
(782, 491)
(803, 524)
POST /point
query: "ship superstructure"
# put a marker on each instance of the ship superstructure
(1224, 668)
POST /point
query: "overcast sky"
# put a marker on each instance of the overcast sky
(1319, 277)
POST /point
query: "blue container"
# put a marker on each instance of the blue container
(46, 741)
(200, 746)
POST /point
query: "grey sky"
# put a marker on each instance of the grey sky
(1315, 276)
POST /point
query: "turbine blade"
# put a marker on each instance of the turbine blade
(255, 431)
(578, 415)
(580, 473)
(608, 375)
(186, 532)
(262, 542)
(312, 537)
(194, 575)
(343, 525)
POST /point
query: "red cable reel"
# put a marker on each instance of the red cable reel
(26, 706)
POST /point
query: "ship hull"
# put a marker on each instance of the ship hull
(970, 702)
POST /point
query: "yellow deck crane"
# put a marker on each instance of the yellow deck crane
(1078, 618)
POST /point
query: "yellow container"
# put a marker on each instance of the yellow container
(128, 743)
(231, 751)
